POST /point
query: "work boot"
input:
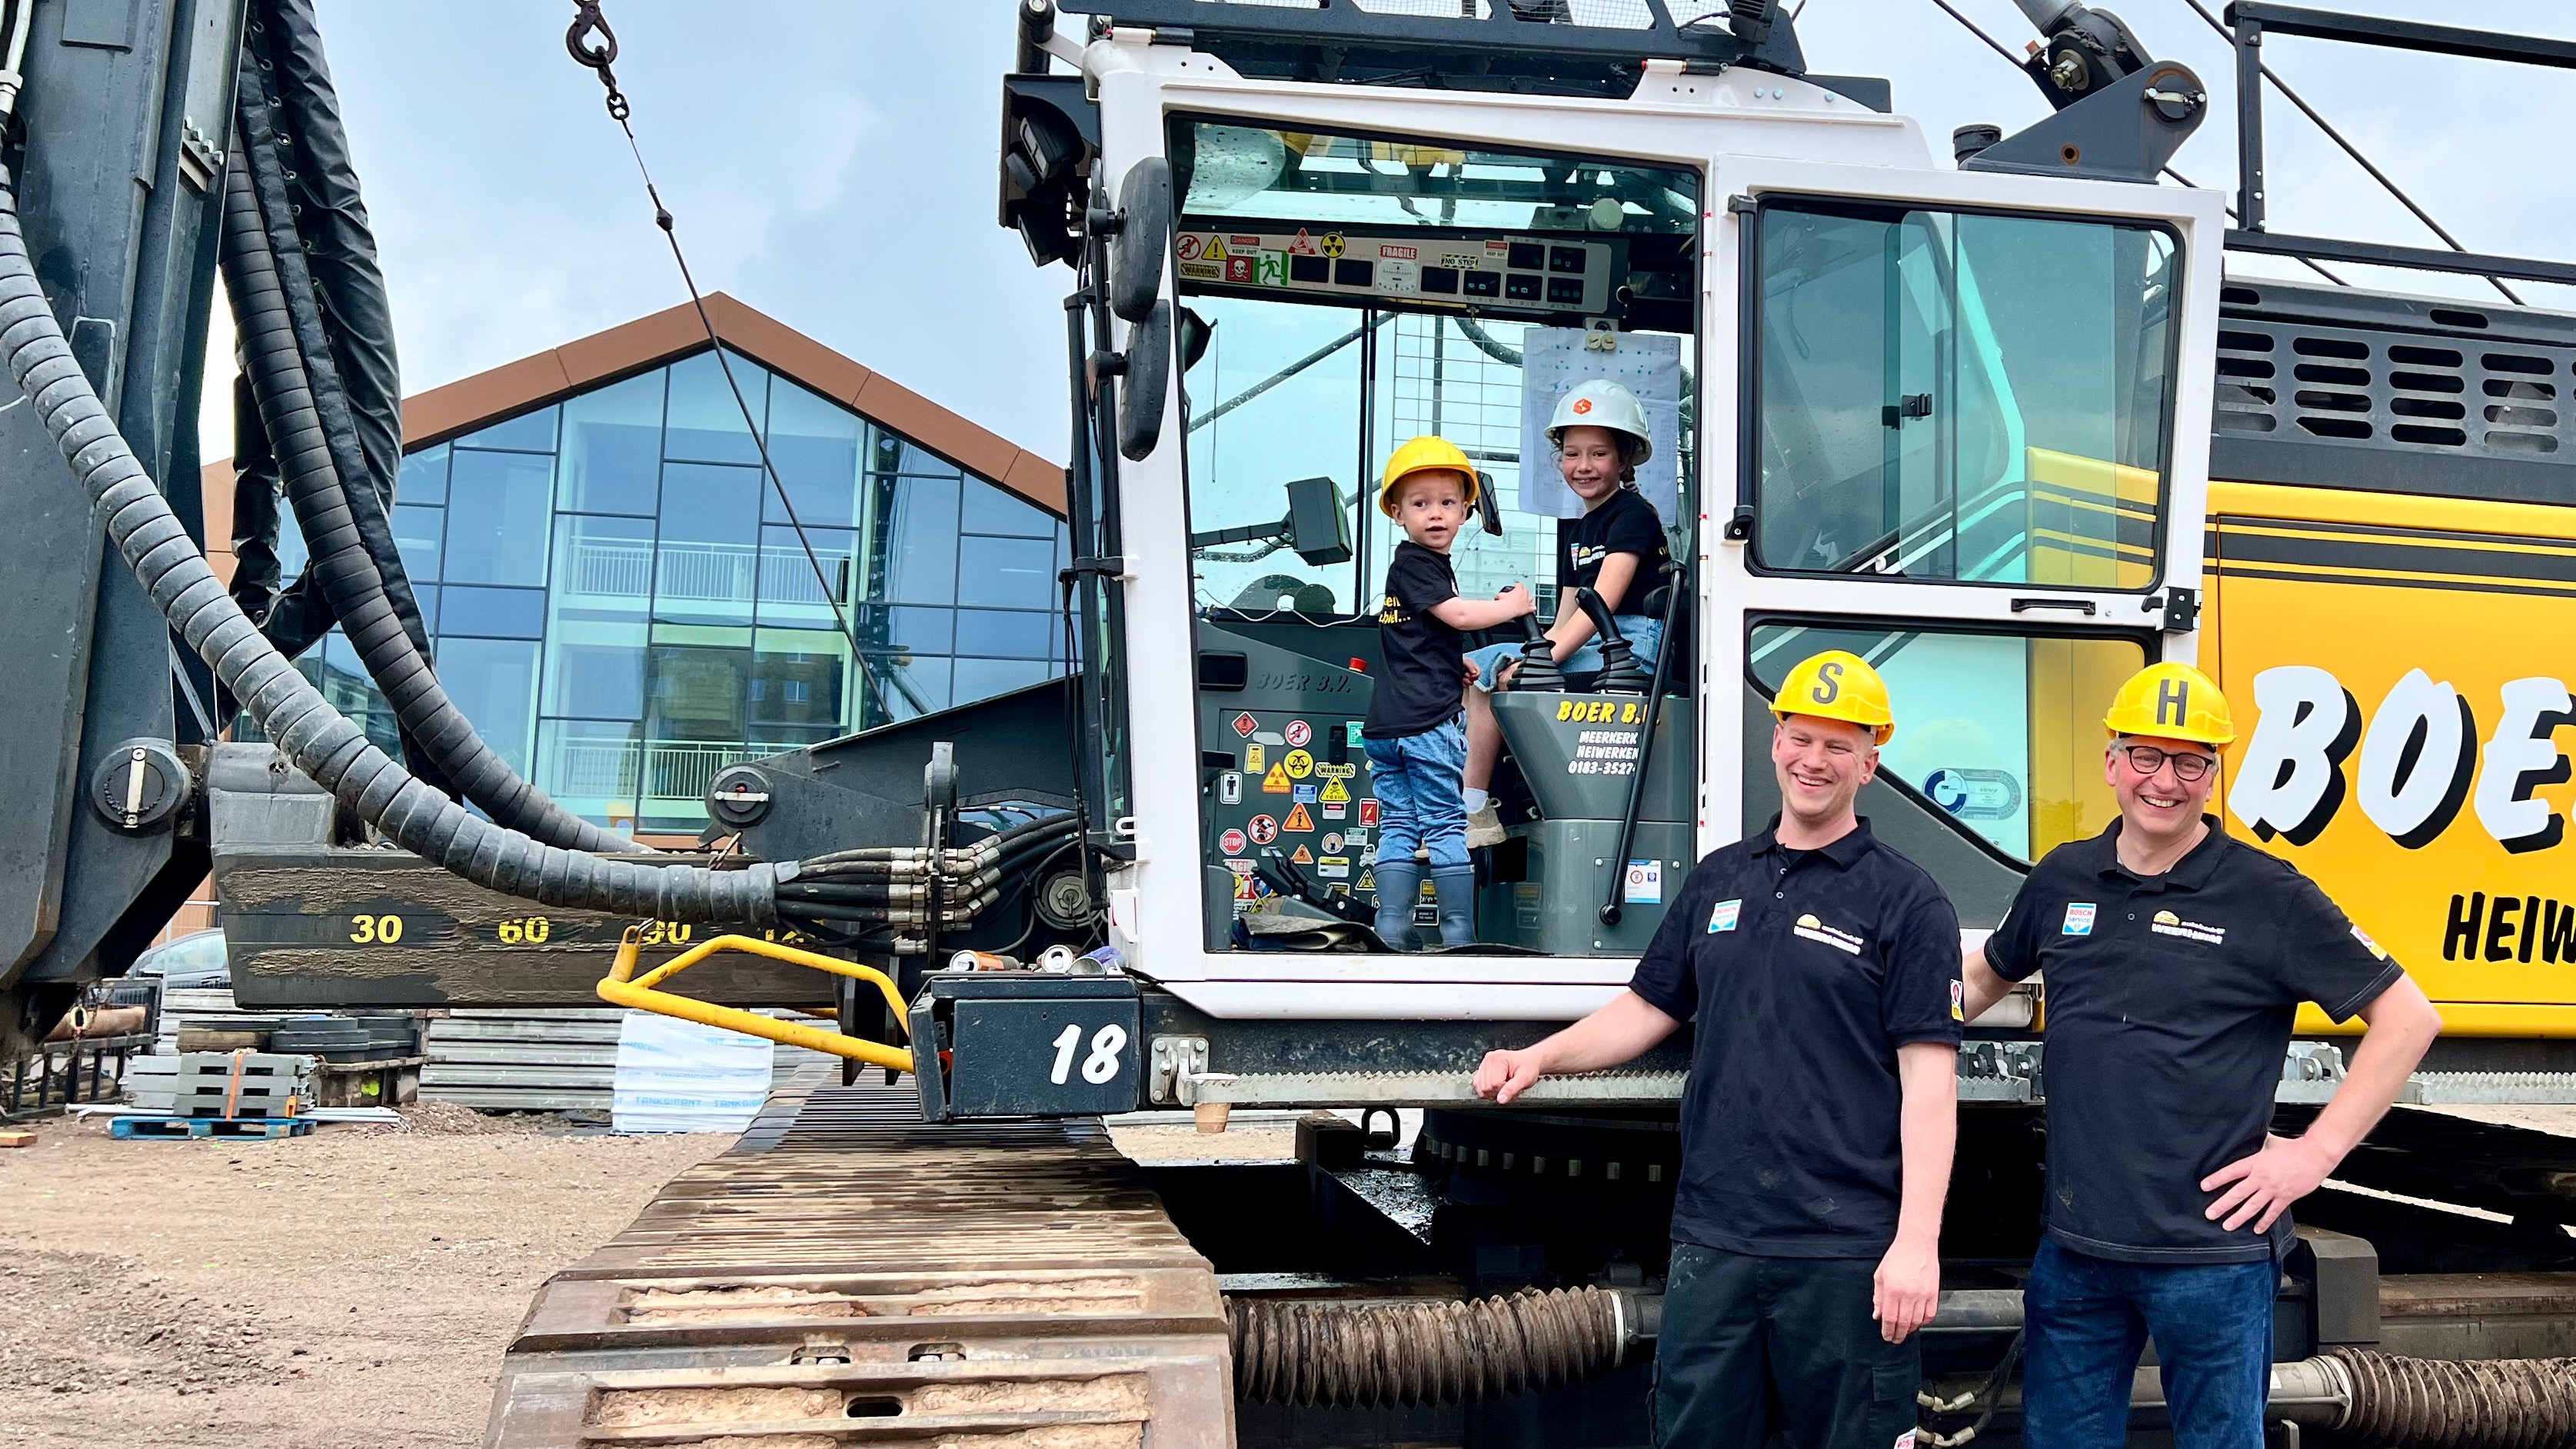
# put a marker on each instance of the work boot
(1456, 890)
(1399, 884)
(1485, 828)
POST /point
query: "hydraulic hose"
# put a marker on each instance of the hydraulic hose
(2428, 1403)
(322, 742)
(1420, 1350)
(264, 283)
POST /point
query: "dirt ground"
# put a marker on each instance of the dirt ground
(352, 1287)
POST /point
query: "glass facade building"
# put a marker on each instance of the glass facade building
(624, 604)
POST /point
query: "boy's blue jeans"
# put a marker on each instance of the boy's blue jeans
(1418, 800)
(2089, 1317)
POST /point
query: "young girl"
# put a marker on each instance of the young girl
(1615, 549)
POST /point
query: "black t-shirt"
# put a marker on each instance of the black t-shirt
(1805, 971)
(2170, 1001)
(1624, 523)
(1424, 682)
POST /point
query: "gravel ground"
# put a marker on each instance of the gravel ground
(352, 1287)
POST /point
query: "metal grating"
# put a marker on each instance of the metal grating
(2356, 389)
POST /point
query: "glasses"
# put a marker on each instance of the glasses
(2147, 759)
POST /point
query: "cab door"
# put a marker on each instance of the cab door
(1969, 447)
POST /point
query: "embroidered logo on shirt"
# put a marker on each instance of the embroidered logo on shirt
(2167, 923)
(1958, 1001)
(2378, 952)
(1814, 930)
(1722, 916)
(2079, 919)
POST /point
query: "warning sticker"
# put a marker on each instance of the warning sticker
(1239, 270)
(1229, 788)
(1263, 829)
(1299, 763)
(1298, 819)
(1305, 795)
(1245, 724)
(1255, 759)
(1336, 812)
(1276, 782)
(1303, 245)
(1333, 244)
(1334, 866)
(1368, 878)
(1215, 250)
(1389, 249)
(1188, 248)
(1303, 856)
(1332, 842)
(1203, 271)
(1231, 842)
(1368, 812)
(1273, 271)
(1299, 733)
(1336, 793)
(1331, 771)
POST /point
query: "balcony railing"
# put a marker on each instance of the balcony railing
(701, 573)
(582, 769)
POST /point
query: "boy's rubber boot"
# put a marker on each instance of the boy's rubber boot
(1399, 885)
(1456, 891)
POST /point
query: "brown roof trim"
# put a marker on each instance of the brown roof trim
(468, 403)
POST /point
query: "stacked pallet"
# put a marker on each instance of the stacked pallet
(529, 1059)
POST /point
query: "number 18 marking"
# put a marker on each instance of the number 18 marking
(1100, 1065)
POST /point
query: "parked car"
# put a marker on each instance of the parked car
(193, 962)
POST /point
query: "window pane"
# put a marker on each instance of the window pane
(529, 432)
(494, 681)
(416, 534)
(1010, 634)
(991, 508)
(815, 444)
(1007, 573)
(910, 630)
(589, 767)
(709, 553)
(496, 613)
(694, 723)
(797, 679)
(1242, 460)
(911, 687)
(612, 448)
(705, 422)
(424, 476)
(898, 454)
(1922, 417)
(917, 542)
(603, 566)
(984, 678)
(496, 524)
(596, 673)
(2003, 732)
(789, 591)
(1226, 169)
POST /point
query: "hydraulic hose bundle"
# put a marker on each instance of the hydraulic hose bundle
(889, 888)
(1423, 1351)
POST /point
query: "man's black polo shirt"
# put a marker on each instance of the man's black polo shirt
(1806, 970)
(2170, 1001)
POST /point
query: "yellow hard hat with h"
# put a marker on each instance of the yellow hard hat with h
(1837, 684)
(1421, 455)
(2174, 702)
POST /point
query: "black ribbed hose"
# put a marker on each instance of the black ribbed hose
(321, 741)
(262, 283)
(1421, 1351)
(2429, 1403)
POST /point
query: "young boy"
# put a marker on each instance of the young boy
(1415, 742)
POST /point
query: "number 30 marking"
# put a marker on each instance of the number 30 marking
(1100, 1065)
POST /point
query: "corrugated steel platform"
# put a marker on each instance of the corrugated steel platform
(849, 1275)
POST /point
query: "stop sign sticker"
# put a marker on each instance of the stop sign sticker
(1231, 842)
(1264, 829)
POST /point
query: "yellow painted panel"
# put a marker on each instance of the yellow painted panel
(2071, 680)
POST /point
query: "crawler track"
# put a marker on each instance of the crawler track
(848, 1275)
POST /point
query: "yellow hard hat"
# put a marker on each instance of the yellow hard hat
(1837, 684)
(1426, 452)
(2174, 702)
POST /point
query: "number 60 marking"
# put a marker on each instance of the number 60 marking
(1100, 1065)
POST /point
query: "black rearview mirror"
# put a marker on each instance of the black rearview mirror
(1488, 508)
(1144, 236)
(1148, 384)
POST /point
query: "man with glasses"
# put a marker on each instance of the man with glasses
(2175, 959)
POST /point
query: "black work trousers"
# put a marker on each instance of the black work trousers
(1756, 1345)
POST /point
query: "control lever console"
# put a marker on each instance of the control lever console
(1538, 669)
(1620, 672)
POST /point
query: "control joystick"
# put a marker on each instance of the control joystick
(1538, 671)
(1620, 672)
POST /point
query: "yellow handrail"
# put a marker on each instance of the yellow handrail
(620, 988)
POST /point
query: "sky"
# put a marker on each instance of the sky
(832, 163)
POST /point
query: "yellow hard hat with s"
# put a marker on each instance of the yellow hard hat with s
(1423, 453)
(2174, 702)
(1837, 684)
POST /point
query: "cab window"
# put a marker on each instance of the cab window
(1953, 396)
(2001, 732)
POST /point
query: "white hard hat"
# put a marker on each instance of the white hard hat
(1602, 403)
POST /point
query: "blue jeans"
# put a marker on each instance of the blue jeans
(2088, 1318)
(1418, 801)
(1641, 632)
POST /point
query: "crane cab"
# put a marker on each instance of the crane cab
(1922, 413)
